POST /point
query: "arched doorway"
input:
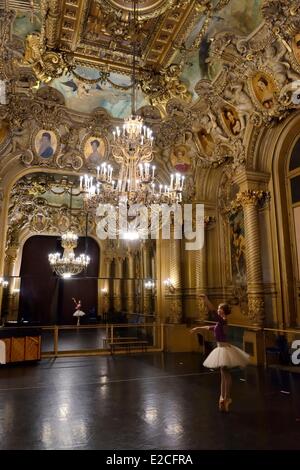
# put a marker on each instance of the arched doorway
(293, 210)
(46, 298)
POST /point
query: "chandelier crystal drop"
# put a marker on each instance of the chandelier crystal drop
(68, 265)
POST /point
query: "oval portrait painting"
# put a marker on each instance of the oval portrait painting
(180, 158)
(45, 144)
(264, 89)
(94, 150)
(296, 47)
(231, 120)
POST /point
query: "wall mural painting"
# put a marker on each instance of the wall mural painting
(240, 17)
(45, 144)
(238, 248)
(85, 97)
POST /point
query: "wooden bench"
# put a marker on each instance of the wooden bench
(129, 345)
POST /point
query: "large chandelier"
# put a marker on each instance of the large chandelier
(132, 150)
(68, 264)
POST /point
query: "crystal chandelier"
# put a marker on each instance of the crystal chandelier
(68, 264)
(132, 149)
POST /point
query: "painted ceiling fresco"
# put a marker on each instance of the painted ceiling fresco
(85, 97)
(240, 16)
(25, 23)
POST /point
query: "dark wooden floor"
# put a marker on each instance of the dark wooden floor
(150, 401)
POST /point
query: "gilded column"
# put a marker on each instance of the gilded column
(118, 304)
(14, 283)
(105, 293)
(250, 201)
(201, 273)
(130, 283)
(147, 293)
(175, 314)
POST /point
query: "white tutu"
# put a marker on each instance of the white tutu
(78, 313)
(226, 355)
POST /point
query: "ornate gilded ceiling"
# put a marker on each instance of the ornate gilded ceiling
(85, 47)
(247, 78)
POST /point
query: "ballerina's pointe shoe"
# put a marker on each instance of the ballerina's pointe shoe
(227, 403)
(221, 404)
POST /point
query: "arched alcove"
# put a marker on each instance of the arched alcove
(46, 298)
(277, 155)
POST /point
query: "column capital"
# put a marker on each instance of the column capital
(247, 179)
(251, 197)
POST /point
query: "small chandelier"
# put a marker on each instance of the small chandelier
(68, 265)
(3, 282)
(149, 285)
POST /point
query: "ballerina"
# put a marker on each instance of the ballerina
(78, 312)
(225, 355)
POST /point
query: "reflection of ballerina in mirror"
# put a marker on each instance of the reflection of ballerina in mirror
(78, 313)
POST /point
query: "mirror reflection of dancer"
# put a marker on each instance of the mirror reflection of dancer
(225, 355)
(78, 313)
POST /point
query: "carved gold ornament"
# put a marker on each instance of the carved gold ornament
(46, 65)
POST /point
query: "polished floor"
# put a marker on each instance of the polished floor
(146, 401)
(89, 339)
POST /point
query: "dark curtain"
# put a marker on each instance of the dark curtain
(47, 299)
